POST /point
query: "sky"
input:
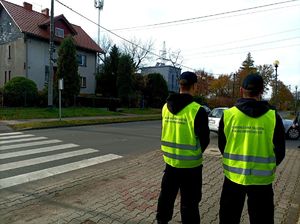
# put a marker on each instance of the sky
(212, 35)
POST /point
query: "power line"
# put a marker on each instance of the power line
(159, 56)
(122, 38)
(244, 52)
(252, 38)
(190, 22)
(205, 17)
(247, 46)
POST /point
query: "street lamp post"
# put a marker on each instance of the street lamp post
(296, 98)
(98, 5)
(276, 64)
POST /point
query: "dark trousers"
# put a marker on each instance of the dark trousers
(189, 182)
(260, 203)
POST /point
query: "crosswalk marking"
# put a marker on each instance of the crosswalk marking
(73, 158)
(16, 136)
(22, 140)
(21, 145)
(35, 151)
(24, 178)
(23, 163)
(11, 133)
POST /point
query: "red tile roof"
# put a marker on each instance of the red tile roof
(31, 23)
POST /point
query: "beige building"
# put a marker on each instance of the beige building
(24, 45)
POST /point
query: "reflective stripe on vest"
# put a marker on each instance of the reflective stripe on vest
(179, 157)
(249, 171)
(180, 145)
(255, 159)
(249, 157)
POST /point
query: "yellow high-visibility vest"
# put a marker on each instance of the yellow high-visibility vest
(181, 147)
(249, 157)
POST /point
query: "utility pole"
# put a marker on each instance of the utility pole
(276, 64)
(296, 98)
(51, 49)
(233, 88)
(99, 5)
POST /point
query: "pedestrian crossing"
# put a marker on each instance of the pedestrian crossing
(26, 157)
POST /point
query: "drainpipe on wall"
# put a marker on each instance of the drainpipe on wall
(26, 56)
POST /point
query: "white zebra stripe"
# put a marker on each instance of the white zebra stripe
(35, 151)
(39, 160)
(24, 178)
(11, 133)
(16, 146)
(16, 136)
(22, 140)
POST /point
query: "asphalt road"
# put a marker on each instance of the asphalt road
(23, 158)
(119, 138)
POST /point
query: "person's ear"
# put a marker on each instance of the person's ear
(241, 91)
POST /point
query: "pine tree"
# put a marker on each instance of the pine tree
(67, 68)
(125, 79)
(106, 83)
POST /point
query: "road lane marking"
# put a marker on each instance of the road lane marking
(37, 150)
(15, 146)
(39, 160)
(24, 178)
(11, 133)
(16, 136)
(22, 140)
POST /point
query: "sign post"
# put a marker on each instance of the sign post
(60, 88)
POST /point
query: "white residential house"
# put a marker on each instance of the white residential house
(170, 74)
(24, 45)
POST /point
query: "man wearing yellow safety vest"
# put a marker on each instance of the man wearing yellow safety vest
(185, 136)
(252, 141)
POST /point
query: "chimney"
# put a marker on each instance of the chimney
(45, 12)
(27, 6)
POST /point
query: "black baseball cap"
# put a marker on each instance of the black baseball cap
(254, 83)
(188, 78)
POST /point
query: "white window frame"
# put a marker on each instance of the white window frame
(81, 59)
(82, 82)
(59, 32)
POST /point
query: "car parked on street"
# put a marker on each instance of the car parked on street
(214, 118)
(292, 129)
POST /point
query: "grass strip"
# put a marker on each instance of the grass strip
(81, 122)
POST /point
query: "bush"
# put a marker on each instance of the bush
(20, 91)
(42, 98)
(1, 96)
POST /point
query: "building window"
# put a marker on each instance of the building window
(9, 75)
(81, 59)
(82, 82)
(9, 52)
(46, 74)
(59, 32)
(5, 77)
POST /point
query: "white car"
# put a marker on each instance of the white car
(214, 118)
(292, 131)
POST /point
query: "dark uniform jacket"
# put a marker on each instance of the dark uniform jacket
(254, 108)
(176, 102)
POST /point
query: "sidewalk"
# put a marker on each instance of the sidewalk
(126, 191)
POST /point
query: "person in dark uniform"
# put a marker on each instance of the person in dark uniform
(252, 141)
(185, 136)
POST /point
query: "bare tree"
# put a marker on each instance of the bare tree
(139, 51)
(105, 43)
(175, 58)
